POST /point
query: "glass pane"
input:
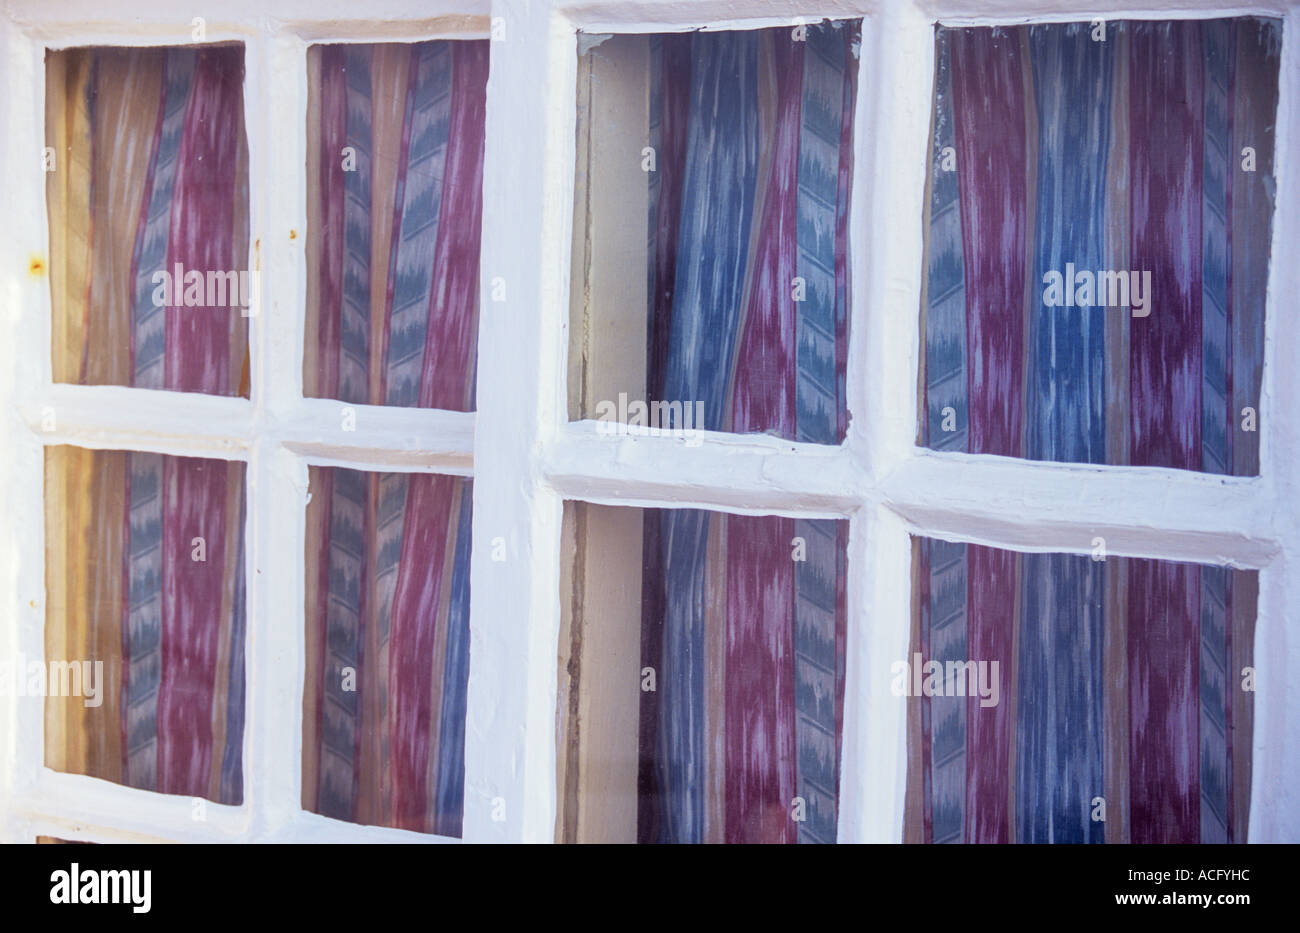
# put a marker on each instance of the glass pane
(147, 188)
(145, 620)
(394, 201)
(1077, 698)
(1098, 233)
(715, 168)
(702, 676)
(387, 648)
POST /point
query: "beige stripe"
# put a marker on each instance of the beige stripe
(67, 127)
(572, 549)
(128, 90)
(106, 513)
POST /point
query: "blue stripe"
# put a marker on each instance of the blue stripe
(945, 314)
(354, 322)
(718, 195)
(1060, 727)
(816, 408)
(947, 638)
(1066, 381)
(429, 120)
(450, 788)
(681, 681)
(815, 677)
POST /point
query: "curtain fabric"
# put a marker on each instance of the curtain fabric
(387, 648)
(395, 175)
(395, 136)
(744, 622)
(145, 573)
(1120, 679)
(144, 551)
(1147, 148)
(1054, 149)
(149, 174)
(749, 227)
(748, 314)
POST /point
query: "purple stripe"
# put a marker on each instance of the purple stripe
(988, 102)
(1166, 132)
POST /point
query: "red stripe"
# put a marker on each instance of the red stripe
(414, 621)
(991, 601)
(988, 104)
(453, 297)
(1166, 150)
(194, 506)
(764, 395)
(443, 384)
(201, 237)
(1164, 693)
(197, 359)
(759, 677)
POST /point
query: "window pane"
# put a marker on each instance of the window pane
(394, 200)
(1098, 233)
(387, 648)
(147, 188)
(145, 588)
(715, 168)
(1105, 700)
(702, 676)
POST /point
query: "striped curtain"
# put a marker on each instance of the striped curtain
(387, 648)
(1145, 147)
(148, 174)
(743, 621)
(145, 573)
(1124, 712)
(395, 174)
(748, 315)
(749, 226)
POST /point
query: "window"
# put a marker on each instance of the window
(702, 659)
(188, 537)
(560, 328)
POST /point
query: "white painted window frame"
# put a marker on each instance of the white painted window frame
(527, 458)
